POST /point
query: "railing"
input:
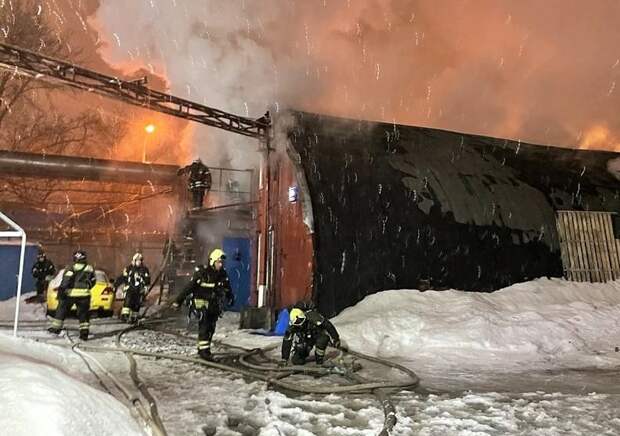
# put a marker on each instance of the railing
(230, 186)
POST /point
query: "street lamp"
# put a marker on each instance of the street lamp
(149, 129)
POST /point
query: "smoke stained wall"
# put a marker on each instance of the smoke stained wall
(407, 207)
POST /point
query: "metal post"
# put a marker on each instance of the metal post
(19, 232)
(20, 276)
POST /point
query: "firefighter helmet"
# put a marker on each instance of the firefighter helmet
(297, 317)
(137, 257)
(216, 255)
(79, 256)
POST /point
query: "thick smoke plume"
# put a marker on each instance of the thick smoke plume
(543, 72)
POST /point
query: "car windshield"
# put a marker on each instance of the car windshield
(100, 276)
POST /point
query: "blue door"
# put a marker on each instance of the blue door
(9, 267)
(238, 267)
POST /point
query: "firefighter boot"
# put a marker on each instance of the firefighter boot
(206, 354)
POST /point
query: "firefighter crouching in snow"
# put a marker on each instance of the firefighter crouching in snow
(208, 289)
(74, 288)
(308, 329)
(135, 279)
(42, 270)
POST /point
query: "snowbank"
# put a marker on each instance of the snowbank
(40, 395)
(546, 323)
(27, 312)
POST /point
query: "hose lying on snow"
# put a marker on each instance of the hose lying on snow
(243, 359)
(133, 402)
(361, 387)
(382, 394)
(381, 390)
(133, 372)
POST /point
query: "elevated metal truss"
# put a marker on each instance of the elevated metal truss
(40, 67)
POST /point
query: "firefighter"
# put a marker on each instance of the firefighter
(207, 291)
(74, 289)
(135, 279)
(308, 329)
(199, 181)
(42, 271)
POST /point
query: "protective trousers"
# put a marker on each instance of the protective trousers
(83, 312)
(131, 306)
(206, 329)
(302, 350)
(197, 197)
(41, 287)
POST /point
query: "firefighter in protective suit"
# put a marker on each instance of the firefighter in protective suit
(74, 289)
(199, 181)
(135, 279)
(208, 289)
(308, 329)
(41, 271)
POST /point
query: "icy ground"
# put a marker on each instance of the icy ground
(534, 359)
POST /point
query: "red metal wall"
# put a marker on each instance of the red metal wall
(294, 254)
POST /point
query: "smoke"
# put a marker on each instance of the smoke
(543, 72)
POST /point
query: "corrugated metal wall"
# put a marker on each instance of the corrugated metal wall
(590, 251)
(294, 253)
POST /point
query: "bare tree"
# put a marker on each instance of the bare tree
(30, 119)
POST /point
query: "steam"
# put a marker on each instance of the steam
(543, 72)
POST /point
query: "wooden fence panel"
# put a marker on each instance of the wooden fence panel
(588, 248)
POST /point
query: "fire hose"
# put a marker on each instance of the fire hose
(150, 420)
(381, 390)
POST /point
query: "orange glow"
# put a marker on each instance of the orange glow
(599, 138)
(168, 142)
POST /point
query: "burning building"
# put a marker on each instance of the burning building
(358, 207)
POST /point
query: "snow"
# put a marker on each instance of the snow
(535, 358)
(535, 413)
(546, 323)
(27, 312)
(41, 394)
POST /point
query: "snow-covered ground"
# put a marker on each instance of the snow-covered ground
(536, 358)
(28, 312)
(43, 392)
(537, 327)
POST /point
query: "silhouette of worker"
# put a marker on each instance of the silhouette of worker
(199, 181)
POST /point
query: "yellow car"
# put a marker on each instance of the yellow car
(101, 295)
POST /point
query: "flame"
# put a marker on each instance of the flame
(599, 137)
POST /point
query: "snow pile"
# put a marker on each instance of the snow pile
(543, 323)
(27, 312)
(39, 397)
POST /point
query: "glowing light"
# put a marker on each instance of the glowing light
(149, 128)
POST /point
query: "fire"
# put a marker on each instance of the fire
(599, 137)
